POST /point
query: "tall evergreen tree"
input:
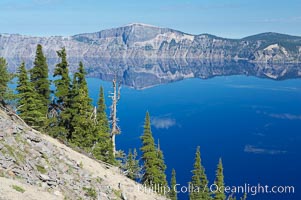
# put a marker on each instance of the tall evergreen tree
(103, 149)
(60, 125)
(219, 181)
(40, 80)
(153, 160)
(81, 128)
(173, 192)
(149, 155)
(6, 93)
(199, 180)
(28, 102)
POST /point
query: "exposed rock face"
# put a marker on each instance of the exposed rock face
(43, 167)
(145, 41)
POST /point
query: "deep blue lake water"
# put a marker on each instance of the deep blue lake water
(253, 124)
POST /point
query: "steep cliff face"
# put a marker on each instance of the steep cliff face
(146, 41)
(36, 166)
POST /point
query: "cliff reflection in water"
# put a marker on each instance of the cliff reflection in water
(141, 74)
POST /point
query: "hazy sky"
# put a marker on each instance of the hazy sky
(231, 18)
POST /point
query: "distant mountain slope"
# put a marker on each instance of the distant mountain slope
(146, 41)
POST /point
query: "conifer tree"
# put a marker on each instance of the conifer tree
(81, 129)
(219, 181)
(28, 102)
(173, 182)
(154, 166)
(60, 125)
(132, 165)
(161, 168)
(149, 155)
(199, 180)
(103, 149)
(62, 83)
(101, 112)
(39, 79)
(6, 94)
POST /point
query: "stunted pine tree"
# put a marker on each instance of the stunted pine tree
(28, 104)
(199, 180)
(6, 94)
(219, 181)
(39, 79)
(132, 165)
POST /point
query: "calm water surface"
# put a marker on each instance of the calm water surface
(253, 124)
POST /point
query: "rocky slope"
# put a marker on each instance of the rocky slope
(35, 166)
(146, 41)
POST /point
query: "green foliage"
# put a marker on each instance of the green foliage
(173, 194)
(102, 118)
(2, 174)
(29, 103)
(17, 154)
(81, 128)
(62, 83)
(39, 79)
(59, 126)
(161, 167)
(41, 169)
(219, 181)
(99, 180)
(199, 180)
(76, 122)
(154, 167)
(244, 197)
(90, 192)
(132, 165)
(290, 43)
(117, 193)
(6, 94)
(81, 165)
(18, 188)
(103, 149)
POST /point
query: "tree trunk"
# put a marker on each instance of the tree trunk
(115, 129)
